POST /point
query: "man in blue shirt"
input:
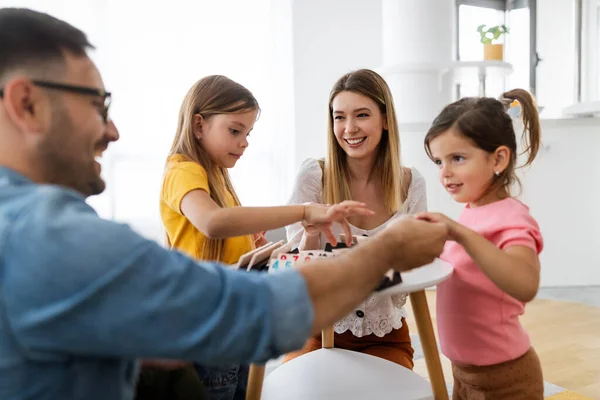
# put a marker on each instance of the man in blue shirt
(81, 298)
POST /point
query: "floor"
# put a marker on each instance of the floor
(564, 325)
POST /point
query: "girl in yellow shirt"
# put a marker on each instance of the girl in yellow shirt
(199, 208)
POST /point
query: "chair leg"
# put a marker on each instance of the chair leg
(327, 337)
(430, 350)
(256, 377)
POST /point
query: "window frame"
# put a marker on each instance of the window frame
(506, 6)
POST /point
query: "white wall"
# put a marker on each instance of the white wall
(331, 38)
(563, 190)
(556, 48)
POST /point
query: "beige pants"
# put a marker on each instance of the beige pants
(519, 379)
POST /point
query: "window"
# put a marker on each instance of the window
(591, 53)
(597, 69)
(519, 16)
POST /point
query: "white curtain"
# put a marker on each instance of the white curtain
(150, 53)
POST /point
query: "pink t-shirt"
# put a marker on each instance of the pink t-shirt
(478, 323)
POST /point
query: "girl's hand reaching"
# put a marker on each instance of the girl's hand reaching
(259, 239)
(454, 228)
(319, 218)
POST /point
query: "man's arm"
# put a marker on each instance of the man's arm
(77, 284)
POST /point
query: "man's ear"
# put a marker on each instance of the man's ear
(27, 106)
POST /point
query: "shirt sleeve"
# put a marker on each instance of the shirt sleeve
(417, 194)
(308, 188)
(523, 230)
(79, 284)
(180, 179)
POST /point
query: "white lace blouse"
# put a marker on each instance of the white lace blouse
(377, 315)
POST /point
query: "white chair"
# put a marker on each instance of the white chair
(328, 374)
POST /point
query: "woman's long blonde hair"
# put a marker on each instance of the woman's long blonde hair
(388, 169)
(212, 95)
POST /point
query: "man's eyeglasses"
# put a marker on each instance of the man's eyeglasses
(106, 96)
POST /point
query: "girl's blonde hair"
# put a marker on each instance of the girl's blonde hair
(336, 175)
(210, 96)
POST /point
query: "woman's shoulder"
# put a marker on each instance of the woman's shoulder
(310, 171)
(308, 186)
(413, 180)
(312, 165)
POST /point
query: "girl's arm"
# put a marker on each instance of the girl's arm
(308, 188)
(311, 238)
(216, 222)
(515, 270)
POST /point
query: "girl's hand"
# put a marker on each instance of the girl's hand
(319, 218)
(259, 239)
(454, 228)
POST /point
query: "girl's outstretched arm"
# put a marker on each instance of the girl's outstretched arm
(217, 222)
(515, 270)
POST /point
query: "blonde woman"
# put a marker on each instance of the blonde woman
(362, 164)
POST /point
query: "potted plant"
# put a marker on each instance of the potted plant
(491, 50)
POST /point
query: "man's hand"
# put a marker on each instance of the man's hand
(337, 284)
(410, 243)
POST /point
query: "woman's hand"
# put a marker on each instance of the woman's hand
(319, 218)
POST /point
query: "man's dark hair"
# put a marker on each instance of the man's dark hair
(31, 39)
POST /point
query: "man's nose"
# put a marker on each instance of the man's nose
(112, 133)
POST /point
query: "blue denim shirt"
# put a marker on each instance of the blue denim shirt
(81, 298)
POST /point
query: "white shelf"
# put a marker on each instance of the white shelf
(461, 71)
(471, 70)
(584, 109)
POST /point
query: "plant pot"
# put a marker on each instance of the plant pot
(493, 52)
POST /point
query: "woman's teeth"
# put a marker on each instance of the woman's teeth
(356, 141)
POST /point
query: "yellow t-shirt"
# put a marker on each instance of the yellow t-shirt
(181, 177)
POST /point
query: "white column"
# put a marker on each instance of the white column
(418, 40)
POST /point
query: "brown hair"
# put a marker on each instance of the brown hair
(210, 96)
(336, 175)
(486, 123)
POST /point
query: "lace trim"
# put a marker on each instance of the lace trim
(380, 316)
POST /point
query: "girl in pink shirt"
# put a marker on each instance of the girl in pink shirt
(494, 247)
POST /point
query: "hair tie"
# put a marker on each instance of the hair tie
(506, 102)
